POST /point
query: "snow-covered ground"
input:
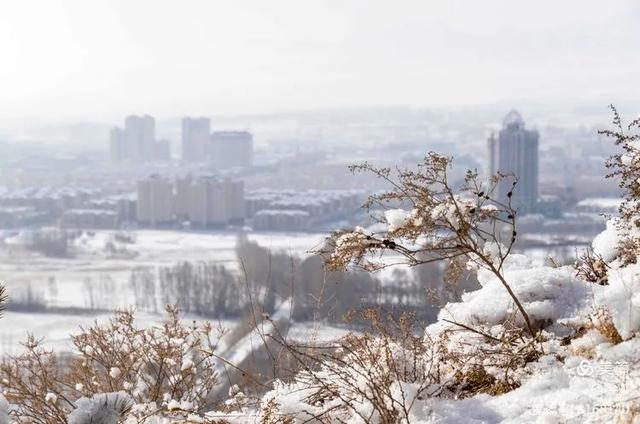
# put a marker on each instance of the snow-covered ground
(53, 328)
(93, 265)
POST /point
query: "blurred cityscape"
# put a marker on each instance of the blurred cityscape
(289, 171)
(188, 211)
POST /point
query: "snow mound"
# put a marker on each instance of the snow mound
(606, 243)
(547, 294)
(104, 408)
(622, 299)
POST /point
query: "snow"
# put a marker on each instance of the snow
(547, 294)
(587, 379)
(114, 372)
(396, 218)
(622, 298)
(282, 212)
(151, 248)
(174, 405)
(104, 408)
(187, 364)
(606, 243)
(55, 328)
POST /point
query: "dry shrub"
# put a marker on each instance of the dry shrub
(165, 369)
(592, 268)
(631, 414)
(382, 374)
(465, 227)
(486, 363)
(628, 247)
(601, 321)
(626, 167)
(33, 381)
(270, 414)
(361, 372)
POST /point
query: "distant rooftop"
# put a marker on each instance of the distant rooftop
(513, 118)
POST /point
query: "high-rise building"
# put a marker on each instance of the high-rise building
(140, 136)
(183, 189)
(137, 141)
(515, 152)
(236, 201)
(155, 204)
(230, 149)
(208, 201)
(195, 137)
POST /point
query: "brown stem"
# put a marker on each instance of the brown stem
(515, 299)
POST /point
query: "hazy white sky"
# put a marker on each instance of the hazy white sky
(97, 59)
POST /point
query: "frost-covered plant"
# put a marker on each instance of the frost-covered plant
(478, 345)
(169, 365)
(167, 368)
(33, 383)
(385, 375)
(371, 377)
(626, 167)
(592, 268)
(465, 227)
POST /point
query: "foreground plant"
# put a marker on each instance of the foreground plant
(625, 166)
(577, 319)
(158, 370)
(387, 374)
(465, 227)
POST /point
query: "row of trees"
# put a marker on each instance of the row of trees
(267, 278)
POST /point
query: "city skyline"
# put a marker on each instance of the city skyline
(137, 142)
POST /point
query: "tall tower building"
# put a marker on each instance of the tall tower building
(183, 188)
(140, 136)
(515, 151)
(136, 142)
(195, 136)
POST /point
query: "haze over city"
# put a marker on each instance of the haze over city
(102, 59)
(354, 211)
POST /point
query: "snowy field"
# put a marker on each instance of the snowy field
(66, 282)
(55, 328)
